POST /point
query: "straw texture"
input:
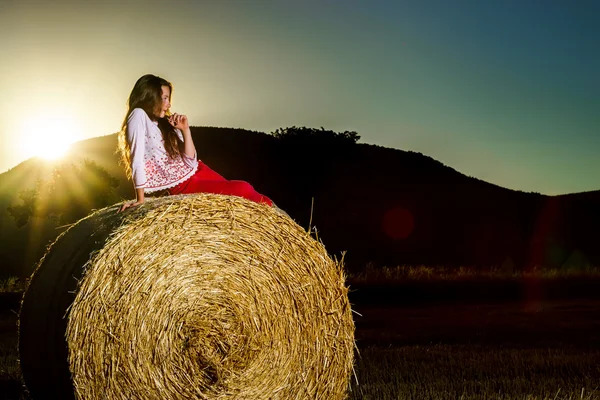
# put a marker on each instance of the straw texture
(210, 297)
(50, 292)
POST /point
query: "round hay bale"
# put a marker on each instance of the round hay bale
(195, 296)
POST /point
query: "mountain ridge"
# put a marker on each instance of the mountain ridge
(381, 205)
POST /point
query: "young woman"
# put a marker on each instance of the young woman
(158, 152)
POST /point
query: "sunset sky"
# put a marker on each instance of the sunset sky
(507, 91)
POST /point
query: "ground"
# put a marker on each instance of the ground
(454, 341)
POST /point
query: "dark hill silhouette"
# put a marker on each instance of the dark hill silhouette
(590, 197)
(381, 205)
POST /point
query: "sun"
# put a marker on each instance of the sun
(48, 135)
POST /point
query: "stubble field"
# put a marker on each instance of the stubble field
(467, 338)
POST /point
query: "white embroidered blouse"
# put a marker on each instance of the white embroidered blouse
(151, 167)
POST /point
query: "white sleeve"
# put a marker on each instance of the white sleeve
(136, 135)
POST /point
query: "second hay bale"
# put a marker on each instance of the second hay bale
(208, 296)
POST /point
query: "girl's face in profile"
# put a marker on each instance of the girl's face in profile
(165, 103)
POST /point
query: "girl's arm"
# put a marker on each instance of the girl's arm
(136, 133)
(189, 148)
(180, 122)
(139, 194)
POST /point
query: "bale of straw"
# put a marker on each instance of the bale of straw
(196, 296)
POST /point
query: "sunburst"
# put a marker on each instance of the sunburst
(48, 136)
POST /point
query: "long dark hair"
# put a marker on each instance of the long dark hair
(147, 95)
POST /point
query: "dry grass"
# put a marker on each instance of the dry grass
(12, 284)
(209, 297)
(441, 372)
(404, 273)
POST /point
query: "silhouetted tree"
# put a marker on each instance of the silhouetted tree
(319, 137)
(22, 212)
(70, 194)
(307, 156)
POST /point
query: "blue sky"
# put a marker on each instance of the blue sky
(506, 91)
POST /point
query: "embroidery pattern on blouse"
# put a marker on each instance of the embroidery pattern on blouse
(161, 171)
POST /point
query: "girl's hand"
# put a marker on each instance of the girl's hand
(126, 205)
(179, 121)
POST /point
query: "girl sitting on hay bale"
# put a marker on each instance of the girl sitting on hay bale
(158, 152)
